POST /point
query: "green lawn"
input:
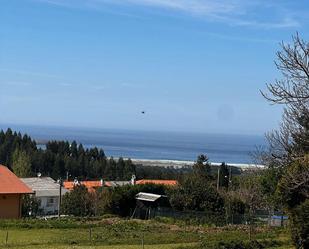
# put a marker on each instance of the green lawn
(110, 233)
(116, 233)
(158, 246)
(37, 238)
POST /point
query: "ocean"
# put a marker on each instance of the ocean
(154, 144)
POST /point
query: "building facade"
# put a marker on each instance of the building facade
(47, 191)
(11, 191)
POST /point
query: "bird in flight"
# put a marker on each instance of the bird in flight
(143, 112)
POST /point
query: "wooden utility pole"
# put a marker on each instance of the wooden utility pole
(230, 178)
(218, 178)
(59, 201)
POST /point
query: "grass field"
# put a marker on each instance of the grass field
(158, 246)
(115, 233)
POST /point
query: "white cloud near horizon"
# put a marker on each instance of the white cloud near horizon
(231, 12)
(30, 73)
(16, 83)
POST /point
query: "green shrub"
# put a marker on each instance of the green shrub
(78, 202)
(236, 245)
(198, 194)
(121, 200)
(30, 206)
(293, 189)
(299, 221)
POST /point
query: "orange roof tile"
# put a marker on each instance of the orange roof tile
(159, 182)
(68, 185)
(11, 184)
(92, 184)
(88, 184)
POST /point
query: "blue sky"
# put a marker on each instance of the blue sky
(192, 65)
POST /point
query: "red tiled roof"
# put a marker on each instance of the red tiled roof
(11, 184)
(92, 184)
(88, 184)
(159, 182)
(68, 185)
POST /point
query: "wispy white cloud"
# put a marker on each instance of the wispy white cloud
(99, 87)
(240, 38)
(201, 7)
(130, 85)
(231, 12)
(17, 83)
(65, 84)
(29, 73)
(17, 99)
(105, 87)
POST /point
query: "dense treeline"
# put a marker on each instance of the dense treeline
(60, 159)
(159, 172)
(64, 159)
(9, 142)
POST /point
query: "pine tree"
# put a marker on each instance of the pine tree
(21, 163)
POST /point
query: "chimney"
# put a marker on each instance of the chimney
(75, 183)
(133, 180)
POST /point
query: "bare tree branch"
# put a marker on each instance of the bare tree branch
(291, 140)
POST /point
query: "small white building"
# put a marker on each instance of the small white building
(47, 191)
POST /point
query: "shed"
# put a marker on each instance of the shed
(278, 220)
(11, 191)
(148, 204)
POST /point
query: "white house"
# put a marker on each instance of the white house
(47, 191)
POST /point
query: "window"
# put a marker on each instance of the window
(50, 201)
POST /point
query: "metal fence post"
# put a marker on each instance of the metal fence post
(143, 241)
(7, 237)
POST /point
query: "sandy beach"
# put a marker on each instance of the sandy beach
(182, 164)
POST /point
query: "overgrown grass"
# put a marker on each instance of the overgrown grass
(68, 222)
(158, 246)
(114, 233)
(237, 237)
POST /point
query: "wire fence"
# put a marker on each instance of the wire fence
(260, 217)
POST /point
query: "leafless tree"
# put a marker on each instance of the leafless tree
(291, 140)
(292, 61)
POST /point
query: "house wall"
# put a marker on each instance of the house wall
(10, 206)
(47, 206)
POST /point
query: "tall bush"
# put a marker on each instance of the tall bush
(78, 202)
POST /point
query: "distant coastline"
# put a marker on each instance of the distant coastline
(182, 164)
(174, 163)
(165, 148)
